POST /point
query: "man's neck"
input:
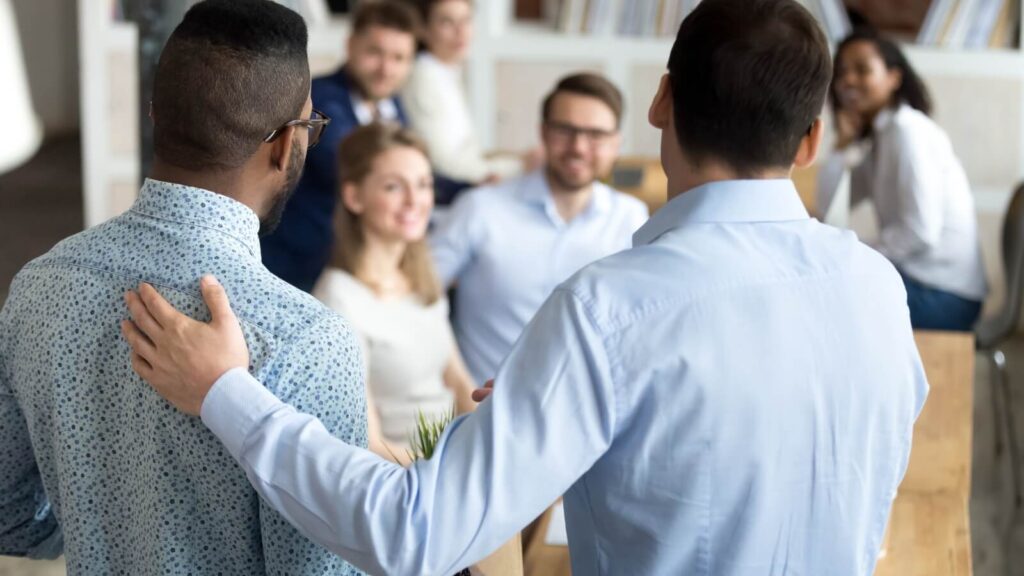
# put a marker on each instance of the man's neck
(570, 202)
(682, 181)
(226, 183)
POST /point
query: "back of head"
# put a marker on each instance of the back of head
(748, 77)
(232, 71)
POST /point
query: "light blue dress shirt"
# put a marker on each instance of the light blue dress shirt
(92, 462)
(733, 396)
(507, 247)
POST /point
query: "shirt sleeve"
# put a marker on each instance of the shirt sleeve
(28, 526)
(917, 192)
(453, 242)
(337, 398)
(552, 415)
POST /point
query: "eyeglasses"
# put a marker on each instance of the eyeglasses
(567, 133)
(316, 123)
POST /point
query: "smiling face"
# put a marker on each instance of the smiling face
(395, 199)
(380, 59)
(581, 140)
(864, 84)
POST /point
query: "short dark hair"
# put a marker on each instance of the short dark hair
(587, 84)
(748, 79)
(231, 72)
(912, 90)
(390, 14)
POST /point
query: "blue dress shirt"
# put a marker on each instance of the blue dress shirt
(507, 248)
(88, 451)
(304, 240)
(733, 396)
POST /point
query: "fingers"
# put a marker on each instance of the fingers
(141, 367)
(160, 309)
(140, 344)
(216, 300)
(141, 316)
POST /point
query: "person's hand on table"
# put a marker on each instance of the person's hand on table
(179, 357)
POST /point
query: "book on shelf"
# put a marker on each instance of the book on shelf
(971, 24)
(660, 18)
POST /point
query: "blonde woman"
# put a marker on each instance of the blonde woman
(382, 281)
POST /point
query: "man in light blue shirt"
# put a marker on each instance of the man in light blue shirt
(733, 396)
(508, 246)
(92, 464)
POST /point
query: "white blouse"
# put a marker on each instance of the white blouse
(406, 348)
(927, 224)
(435, 104)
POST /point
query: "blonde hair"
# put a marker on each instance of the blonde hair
(356, 155)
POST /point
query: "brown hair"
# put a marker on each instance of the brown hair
(587, 84)
(391, 14)
(748, 79)
(356, 155)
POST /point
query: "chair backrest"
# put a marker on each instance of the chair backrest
(1005, 322)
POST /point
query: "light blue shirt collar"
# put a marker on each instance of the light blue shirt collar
(726, 201)
(180, 203)
(534, 189)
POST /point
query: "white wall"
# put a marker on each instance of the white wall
(49, 36)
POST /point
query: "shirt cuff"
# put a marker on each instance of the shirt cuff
(233, 407)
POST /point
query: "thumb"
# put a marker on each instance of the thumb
(216, 300)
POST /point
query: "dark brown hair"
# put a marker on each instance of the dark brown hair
(356, 156)
(587, 84)
(749, 77)
(390, 14)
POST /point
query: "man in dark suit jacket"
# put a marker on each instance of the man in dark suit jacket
(381, 51)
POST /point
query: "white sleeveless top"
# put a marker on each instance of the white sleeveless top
(406, 348)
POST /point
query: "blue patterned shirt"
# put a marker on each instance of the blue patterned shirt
(92, 462)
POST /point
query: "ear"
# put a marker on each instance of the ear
(660, 113)
(350, 198)
(281, 149)
(810, 144)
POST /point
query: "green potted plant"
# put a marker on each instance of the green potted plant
(507, 560)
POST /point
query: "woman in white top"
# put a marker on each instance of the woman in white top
(904, 162)
(435, 102)
(382, 281)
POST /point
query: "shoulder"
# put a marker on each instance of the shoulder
(913, 128)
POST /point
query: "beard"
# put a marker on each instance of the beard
(568, 182)
(270, 220)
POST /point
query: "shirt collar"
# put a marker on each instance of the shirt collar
(884, 118)
(364, 110)
(534, 189)
(188, 205)
(726, 201)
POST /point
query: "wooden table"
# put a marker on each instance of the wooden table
(929, 527)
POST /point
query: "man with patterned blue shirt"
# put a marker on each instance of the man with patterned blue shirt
(97, 467)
